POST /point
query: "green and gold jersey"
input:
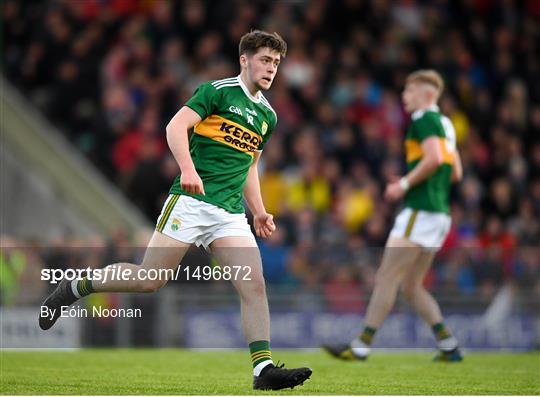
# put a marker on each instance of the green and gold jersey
(234, 125)
(433, 193)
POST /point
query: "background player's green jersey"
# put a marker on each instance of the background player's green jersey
(433, 193)
(234, 125)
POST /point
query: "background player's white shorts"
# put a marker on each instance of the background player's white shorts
(194, 221)
(427, 229)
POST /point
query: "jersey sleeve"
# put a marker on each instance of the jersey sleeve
(428, 125)
(204, 100)
(266, 136)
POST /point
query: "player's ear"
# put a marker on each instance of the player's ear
(243, 60)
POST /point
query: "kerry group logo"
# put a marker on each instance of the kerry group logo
(230, 133)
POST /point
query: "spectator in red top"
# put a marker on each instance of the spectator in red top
(128, 149)
(498, 243)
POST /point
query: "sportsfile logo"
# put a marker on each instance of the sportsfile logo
(112, 272)
(119, 273)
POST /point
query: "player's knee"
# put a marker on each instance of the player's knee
(259, 287)
(252, 289)
(382, 280)
(410, 290)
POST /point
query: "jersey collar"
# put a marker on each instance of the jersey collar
(256, 98)
(420, 112)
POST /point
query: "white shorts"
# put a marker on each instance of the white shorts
(427, 229)
(196, 222)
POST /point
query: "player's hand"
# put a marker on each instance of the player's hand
(264, 225)
(191, 182)
(394, 191)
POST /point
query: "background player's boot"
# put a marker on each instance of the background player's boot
(344, 351)
(448, 350)
(61, 296)
(276, 378)
(449, 356)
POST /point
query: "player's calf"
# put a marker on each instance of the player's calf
(149, 286)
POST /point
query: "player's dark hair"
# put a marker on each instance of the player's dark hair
(252, 41)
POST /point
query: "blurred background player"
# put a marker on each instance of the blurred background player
(232, 122)
(420, 229)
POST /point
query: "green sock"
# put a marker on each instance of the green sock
(260, 352)
(440, 331)
(84, 287)
(367, 335)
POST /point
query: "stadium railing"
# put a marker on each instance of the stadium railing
(32, 140)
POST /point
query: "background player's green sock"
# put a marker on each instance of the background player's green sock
(367, 335)
(261, 355)
(440, 331)
(82, 287)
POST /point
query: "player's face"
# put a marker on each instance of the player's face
(416, 96)
(262, 67)
(411, 97)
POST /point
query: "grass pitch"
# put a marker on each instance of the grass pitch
(171, 371)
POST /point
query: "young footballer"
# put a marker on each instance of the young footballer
(421, 227)
(231, 121)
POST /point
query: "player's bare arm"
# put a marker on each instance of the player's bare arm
(457, 168)
(177, 138)
(263, 222)
(431, 160)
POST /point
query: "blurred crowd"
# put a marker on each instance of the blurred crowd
(112, 73)
(338, 282)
